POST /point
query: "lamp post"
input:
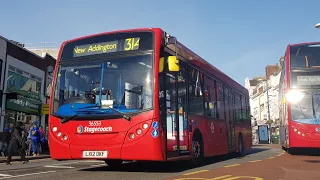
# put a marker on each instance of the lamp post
(317, 25)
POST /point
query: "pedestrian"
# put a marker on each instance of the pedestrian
(35, 137)
(16, 144)
(5, 142)
(42, 139)
(29, 142)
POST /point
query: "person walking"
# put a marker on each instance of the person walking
(5, 142)
(35, 137)
(17, 144)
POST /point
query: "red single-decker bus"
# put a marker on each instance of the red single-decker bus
(139, 94)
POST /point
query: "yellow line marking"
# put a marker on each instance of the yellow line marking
(255, 161)
(221, 177)
(270, 157)
(232, 165)
(244, 177)
(216, 178)
(196, 172)
(191, 179)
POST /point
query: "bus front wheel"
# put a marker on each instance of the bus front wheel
(113, 162)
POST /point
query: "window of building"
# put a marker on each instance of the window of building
(210, 98)
(196, 100)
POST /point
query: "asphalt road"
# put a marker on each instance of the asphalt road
(281, 167)
(46, 169)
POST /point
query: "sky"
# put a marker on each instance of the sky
(238, 37)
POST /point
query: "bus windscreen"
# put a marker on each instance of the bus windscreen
(305, 56)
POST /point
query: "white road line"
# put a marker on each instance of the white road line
(99, 165)
(5, 175)
(22, 175)
(58, 164)
(92, 161)
(61, 167)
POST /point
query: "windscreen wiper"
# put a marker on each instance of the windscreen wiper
(64, 120)
(113, 109)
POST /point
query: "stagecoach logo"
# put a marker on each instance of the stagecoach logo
(79, 129)
(318, 129)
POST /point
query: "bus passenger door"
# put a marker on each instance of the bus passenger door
(174, 116)
(232, 120)
(229, 119)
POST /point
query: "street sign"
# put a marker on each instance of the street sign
(45, 109)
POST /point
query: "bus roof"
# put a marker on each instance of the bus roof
(195, 58)
(305, 43)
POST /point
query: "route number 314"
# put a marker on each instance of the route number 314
(132, 44)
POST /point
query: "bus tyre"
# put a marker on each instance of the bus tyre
(114, 162)
(197, 151)
(240, 147)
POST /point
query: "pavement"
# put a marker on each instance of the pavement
(30, 158)
(76, 170)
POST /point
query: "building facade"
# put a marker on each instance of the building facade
(264, 102)
(24, 82)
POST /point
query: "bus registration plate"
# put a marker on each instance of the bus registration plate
(95, 154)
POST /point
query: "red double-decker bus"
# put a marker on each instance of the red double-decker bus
(299, 96)
(139, 94)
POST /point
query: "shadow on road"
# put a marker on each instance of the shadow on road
(170, 167)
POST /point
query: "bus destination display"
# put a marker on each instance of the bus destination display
(107, 47)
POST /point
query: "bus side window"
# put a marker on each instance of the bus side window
(210, 98)
(220, 101)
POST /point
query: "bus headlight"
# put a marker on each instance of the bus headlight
(294, 96)
(145, 126)
(139, 131)
(65, 137)
(131, 136)
(59, 134)
(54, 129)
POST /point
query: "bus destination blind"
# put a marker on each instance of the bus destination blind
(107, 47)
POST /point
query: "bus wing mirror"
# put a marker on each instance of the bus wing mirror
(173, 64)
(50, 69)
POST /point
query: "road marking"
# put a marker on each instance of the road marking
(22, 175)
(5, 175)
(91, 161)
(67, 163)
(255, 161)
(243, 177)
(221, 177)
(225, 177)
(232, 165)
(192, 179)
(98, 165)
(196, 172)
(270, 157)
(62, 167)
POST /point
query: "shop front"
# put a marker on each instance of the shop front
(26, 107)
(24, 110)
